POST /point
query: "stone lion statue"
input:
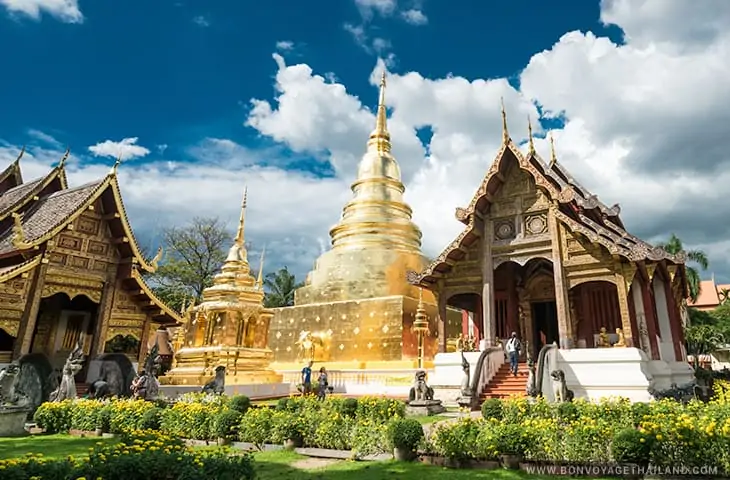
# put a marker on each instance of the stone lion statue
(561, 392)
(217, 386)
(420, 390)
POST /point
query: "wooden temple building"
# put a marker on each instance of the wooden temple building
(542, 256)
(71, 270)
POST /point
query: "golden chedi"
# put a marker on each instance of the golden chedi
(357, 309)
(228, 328)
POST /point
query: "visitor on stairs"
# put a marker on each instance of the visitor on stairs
(514, 346)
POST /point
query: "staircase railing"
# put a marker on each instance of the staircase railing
(487, 366)
(546, 363)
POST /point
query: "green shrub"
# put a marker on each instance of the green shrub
(511, 440)
(348, 407)
(104, 419)
(255, 426)
(379, 410)
(282, 404)
(54, 417)
(405, 433)
(127, 414)
(288, 426)
(639, 410)
(151, 419)
(333, 432)
(458, 440)
(492, 408)
(192, 420)
(85, 414)
(566, 411)
(226, 424)
(631, 446)
(239, 403)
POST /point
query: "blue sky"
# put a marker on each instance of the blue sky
(180, 77)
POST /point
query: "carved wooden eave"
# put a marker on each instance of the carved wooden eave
(15, 199)
(144, 264)
(148, 295)
(9, 273)
(12, 172)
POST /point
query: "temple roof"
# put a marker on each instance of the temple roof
(11, 176)
(580, 210)
(55, 211)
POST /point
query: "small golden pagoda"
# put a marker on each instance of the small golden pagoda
(357, 308)
(228, 328)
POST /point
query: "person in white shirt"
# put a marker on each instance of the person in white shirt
(514, 346)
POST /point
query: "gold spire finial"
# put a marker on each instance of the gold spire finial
(380, 138)
(20, 155)
(260, 279)
(505, 132)
(115, 167)
(531, 147)
(553, 156)
(242, 220)
(64, 158)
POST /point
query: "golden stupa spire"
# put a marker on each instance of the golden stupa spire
(240, 238)
(380, 138)
(505, 132)
(531, 147)
(553, 156)
(260, 279)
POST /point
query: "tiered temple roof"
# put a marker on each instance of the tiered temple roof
(33, 213)
(579, 209)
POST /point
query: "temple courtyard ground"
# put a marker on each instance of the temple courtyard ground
(279, 465)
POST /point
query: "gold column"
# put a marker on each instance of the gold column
(565, 325)
(103, 316)
(30, 313)
(624, 278)
(489, 320)
(441, 302)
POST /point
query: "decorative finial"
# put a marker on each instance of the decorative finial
(505, 132)
(184, 306)
(20, 155)
(380, 138)
(553, 156)
(260, 279)
(242, 220)
(531, 148)
(115, 167)
(154, 263)
(64, 158)
(19, 240)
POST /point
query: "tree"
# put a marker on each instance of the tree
(702, 340)
(674, 246)
(193, 255)
(280, 287)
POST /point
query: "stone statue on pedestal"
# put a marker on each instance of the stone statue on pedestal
(420, 390)
(67, 388)
(531, 389)
(420, 399)
(217, 386)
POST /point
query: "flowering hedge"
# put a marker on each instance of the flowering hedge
(668, 433)
(139, 456)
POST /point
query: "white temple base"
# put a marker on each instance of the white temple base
(448, 374)
(374, 382)
(252, 391)
(596, 373)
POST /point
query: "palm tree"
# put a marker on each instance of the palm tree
(280, 287)
(674, 246)
(702, 340)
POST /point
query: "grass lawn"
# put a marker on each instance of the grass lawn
(288, 465)
(51, 446)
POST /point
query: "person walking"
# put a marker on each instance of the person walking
(307, 378)
(322, 384)
(514, 347)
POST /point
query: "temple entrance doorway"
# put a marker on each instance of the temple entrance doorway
(471, 321)
(62, 323)
(544, 324)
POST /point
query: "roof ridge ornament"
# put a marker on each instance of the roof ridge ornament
(505, 131)
(62, 162)
(553, 156)
(154, 263)
(20, 155)
(115, 167)
(19, 240)
(260, 279)
(531, 143)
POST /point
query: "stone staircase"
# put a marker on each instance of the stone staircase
(504, 384)
(81, 389)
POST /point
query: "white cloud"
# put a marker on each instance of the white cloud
(45, 138)
(369, 7)
(201, 21)
(126, 149)
(64, 10)
(414, 17)
(645, 126)
(284, 45)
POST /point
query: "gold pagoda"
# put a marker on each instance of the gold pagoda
(228, 328)
(357, 309)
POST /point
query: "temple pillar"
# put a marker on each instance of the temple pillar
(489, 319)
(675, 322)
(647, 336)
(30, 314)
(441, 324)
(666, 343)
(624, 277)
(565, 325)
(651, 317)
(103, 316)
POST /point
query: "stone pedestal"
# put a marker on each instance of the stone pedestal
(424, 407)
(12, 421)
